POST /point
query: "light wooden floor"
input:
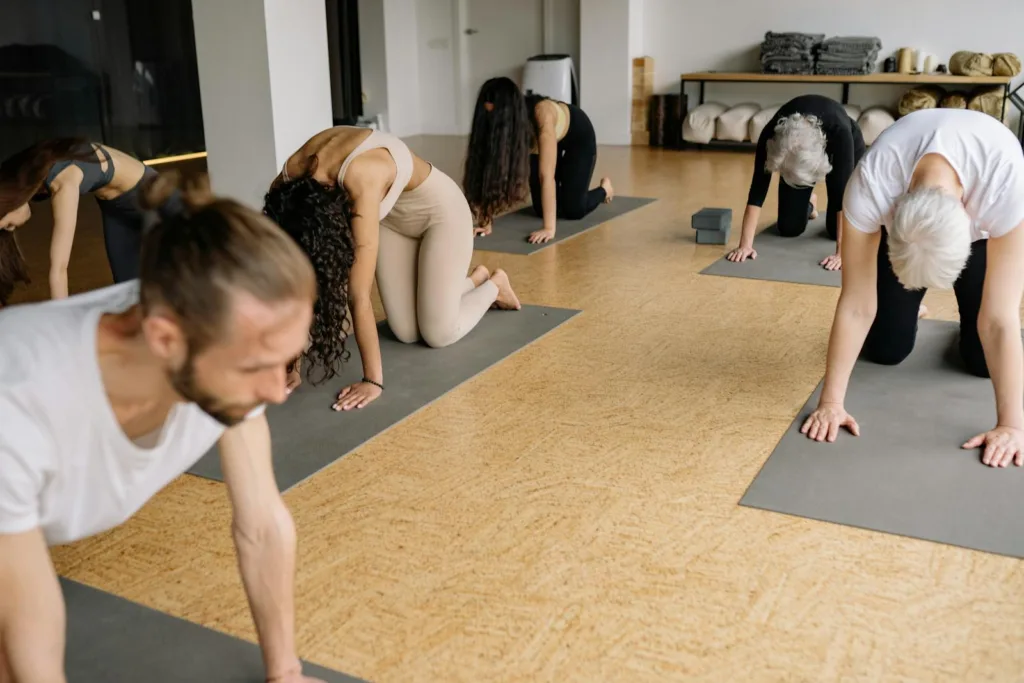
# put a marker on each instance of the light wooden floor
(571, 514)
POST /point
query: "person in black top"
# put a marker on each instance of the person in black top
(62, 170)
(519, 143)
(813, 139)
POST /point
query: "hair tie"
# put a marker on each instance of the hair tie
(489, 106)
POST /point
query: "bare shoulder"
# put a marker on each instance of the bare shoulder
(370, 174)
(70, 177)
(546, 113)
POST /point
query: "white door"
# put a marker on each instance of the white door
(498, 36)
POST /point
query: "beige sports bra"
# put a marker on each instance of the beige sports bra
(561, 126)
(399, 152)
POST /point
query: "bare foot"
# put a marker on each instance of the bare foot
(609, 191)
(507, 299)
(814, 205)
(480, 275)
(922, 312)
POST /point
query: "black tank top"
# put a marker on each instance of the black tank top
(93, 175)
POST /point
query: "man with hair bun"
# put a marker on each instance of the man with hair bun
(106, 397)
(938, 201)
(813, 139)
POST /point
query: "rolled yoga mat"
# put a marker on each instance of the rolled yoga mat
(308, 436)
(511, 230)
(113, 640)
(906, 473)
(785, 259)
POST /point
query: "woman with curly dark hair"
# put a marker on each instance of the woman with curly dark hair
(62, 170)
(519, 143)
(363, 206)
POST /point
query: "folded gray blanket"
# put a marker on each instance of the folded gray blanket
(867, 42)
(857, 59)
(842, 71)
(794, 36)
(833, 54)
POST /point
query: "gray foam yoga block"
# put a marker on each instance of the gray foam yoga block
(713, 236)
(712, 219)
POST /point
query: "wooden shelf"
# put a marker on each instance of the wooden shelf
(877, 78)
(702, 78)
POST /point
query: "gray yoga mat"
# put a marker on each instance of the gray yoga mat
(113, 640)
(906, 473)
(512, 229)
(307, 435)
(785, 259)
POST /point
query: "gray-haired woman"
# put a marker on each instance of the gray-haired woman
(813, 139)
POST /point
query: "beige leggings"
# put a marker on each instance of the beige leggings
(426, 244)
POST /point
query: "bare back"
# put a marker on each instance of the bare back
(373, 170)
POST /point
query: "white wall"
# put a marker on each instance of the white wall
(264, 91)
(606, 67)
(372, 64)
(300, 72)
(564, 17)
(401, 56)
(431, 70)
(437, 42)
(701, 36)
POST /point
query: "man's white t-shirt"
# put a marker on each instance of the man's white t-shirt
(982, 151)
(65, 463)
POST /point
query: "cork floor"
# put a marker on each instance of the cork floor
(571, 514)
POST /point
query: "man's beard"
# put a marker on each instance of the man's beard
(184, 382)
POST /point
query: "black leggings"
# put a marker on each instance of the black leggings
(577, 156)
(795, 210)
(125, 223)
(892, 334)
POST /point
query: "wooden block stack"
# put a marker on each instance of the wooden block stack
(643, 88)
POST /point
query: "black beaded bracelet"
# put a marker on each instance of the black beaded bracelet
(376, 384)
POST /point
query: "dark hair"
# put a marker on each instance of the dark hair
(196, 260)
(21, 176)
(497, 172)
(319, 218)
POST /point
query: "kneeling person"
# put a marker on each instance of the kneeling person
(938, 201)
(106, 397)
(813, 139)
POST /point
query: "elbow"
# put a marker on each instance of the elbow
(274, 528)
(58, 271)
(994, 325)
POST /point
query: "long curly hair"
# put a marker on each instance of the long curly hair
(319, 218)
(497, 170)
(21, 177)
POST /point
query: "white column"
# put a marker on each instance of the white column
(611, 34)
(264, 80)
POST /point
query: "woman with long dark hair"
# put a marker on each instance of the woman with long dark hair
(363, 206)
(62, 170)
(530, 143)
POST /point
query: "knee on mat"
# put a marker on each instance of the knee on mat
(888, 355)
(572, 210)
(788, 229)
(439, 336)
(405, 333)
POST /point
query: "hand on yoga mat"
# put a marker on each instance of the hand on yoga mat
(1003, 445)
(357, 396)
(483, 230)
(540, 236)
(824, 423)
(832, 262)
(741, 253)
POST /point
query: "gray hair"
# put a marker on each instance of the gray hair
(796, 151)
(930, 239)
